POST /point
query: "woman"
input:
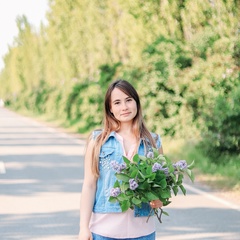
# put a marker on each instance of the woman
(124, 133)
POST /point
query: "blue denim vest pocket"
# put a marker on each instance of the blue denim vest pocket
(144, 211)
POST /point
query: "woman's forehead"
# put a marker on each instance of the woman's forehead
(118, 94)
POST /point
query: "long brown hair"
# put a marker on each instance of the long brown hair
(110, 123)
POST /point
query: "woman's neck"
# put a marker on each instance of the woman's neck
(125, 129)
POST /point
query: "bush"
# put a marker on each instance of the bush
(223, 136)
(236, 53)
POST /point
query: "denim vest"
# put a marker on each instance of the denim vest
(112, 150)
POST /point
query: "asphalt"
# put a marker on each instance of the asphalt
(41, 175)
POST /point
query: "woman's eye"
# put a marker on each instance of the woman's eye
(129, 99)
(116, 103)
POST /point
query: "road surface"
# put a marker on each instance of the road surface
(41, 174)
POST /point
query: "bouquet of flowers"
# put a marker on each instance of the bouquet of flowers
(148, 178)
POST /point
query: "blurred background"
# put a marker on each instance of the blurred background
(182, 56)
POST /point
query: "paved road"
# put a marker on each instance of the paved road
(40, 191)
(41, 172)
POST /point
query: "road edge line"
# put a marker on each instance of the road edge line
(212, 197)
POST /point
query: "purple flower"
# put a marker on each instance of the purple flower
(156, 166)
(182, 164)
(115, 192)
(114, 165)
(118, 167)
(133, 184)
(123, 166)
(150, 155)
(166, 171)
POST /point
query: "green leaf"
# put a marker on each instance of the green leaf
(162, 159)
(136, 158)
(173, 177)
(124, 186)
(159, 176)
(122, 177)
(136, 201)
(112, 199)
(163, 183)
(142, 158)
(141, 175)
(144, 186)
(144, 200)
(183, 189)
(149, 170)
(151, 196)
(180, 177)
(190, 175)
(165, 213)
(134, 173)
(126, 160)
(132, 168)
(175, 190)
(116, 184)
(156, 152)
(122, 197)
(129, 193)
(125, 205)
(166, 202)
(151, 176)
(149, 180)
(171, 168)
(191, 166)
(165, 193)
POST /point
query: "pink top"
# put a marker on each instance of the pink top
(121, 225)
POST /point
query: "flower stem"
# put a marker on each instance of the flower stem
(159, 215)
(149, 214)
(156, 212)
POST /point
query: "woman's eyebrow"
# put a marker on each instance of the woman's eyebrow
(116, 100)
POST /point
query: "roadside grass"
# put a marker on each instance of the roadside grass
(223, 175)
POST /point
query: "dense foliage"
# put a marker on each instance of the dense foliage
(182, 56)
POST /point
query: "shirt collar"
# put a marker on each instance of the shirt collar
(112, 134)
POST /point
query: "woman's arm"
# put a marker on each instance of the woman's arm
(88, 194)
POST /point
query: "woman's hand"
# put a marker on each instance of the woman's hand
(156, 204)
(85, 234)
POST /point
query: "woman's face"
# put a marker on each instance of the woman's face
(123, 107)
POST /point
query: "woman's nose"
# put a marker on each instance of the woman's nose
(124, 106)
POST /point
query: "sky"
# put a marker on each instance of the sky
(34, 10)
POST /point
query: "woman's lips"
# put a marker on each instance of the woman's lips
(125, 114)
